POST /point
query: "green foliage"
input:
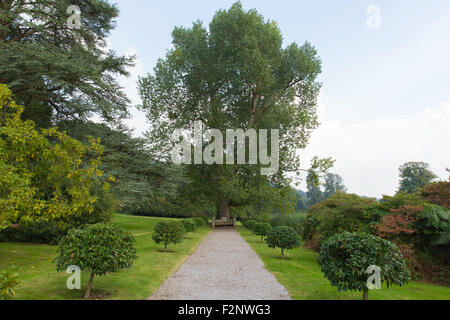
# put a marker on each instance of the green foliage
(415, 175)
(234, 74)
(168, 232)
(249, 224)
(283, 237)
(427, 243)
(296, 220)
(43, 232)
(262, 229)
(189, 225)
(9, 279)
(433, 225)
(58, 72)
(310, 227)
(345, 258)
(205, 219)
(400, 200)
(45, 176)
(342, 212)
(313, 193)
(143, 186)
(98, 249)
(333, 183)
(200, 222)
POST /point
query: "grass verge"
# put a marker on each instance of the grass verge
(40, 281)
(301, 275)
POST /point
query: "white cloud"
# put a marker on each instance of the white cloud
(368, 154)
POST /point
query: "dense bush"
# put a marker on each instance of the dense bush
(98, 249)
(168, 232)
(339, 213)
(199, 221)
(344, 212)
(249, 224)
(262, 229)
(9, 279)
(283, 238)
(50, 232)
(422, 233)
(345, 258)
(295, 220)
(42, 232)
(45, 173)
(189, 226)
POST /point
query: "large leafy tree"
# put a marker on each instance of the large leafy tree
(314, 193)
(333, 184)
(234, 75)
(44, 175)
(141, 184)
(55, 70)
(415, 175)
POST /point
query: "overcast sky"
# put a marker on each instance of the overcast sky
(386, 92)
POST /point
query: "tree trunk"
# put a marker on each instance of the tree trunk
(224, 209)
(262, 238)
(87, 295)
(282, 253)
(365, 294)
(165, 247)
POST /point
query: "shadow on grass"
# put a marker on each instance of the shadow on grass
(166, 251)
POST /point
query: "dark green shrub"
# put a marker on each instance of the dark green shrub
(9, 279)
(50, 232)
(199, 221)
(284, 238)
(343, 213)
(309, 227)
(249, 224)
(205, 219)
(43, 232)
(345, 258)
(168, 232)
(189, 226)
(98, 249)
(262, 229)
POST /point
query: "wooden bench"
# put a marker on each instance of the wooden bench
(224, 223)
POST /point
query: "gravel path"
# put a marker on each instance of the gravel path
(224, 267)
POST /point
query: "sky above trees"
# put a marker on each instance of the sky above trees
(385, 98)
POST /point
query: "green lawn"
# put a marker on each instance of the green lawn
(300, 274)
(41, 281)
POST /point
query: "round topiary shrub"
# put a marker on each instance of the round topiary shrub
(262, 229)
(346, 257)
(98, 249)
(284, 238)
(168, 232)
(189, 226)
(199, 221)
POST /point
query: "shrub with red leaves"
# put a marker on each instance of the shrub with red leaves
(438, 193)
(398, 222)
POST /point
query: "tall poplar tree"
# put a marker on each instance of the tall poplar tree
(236, 74)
